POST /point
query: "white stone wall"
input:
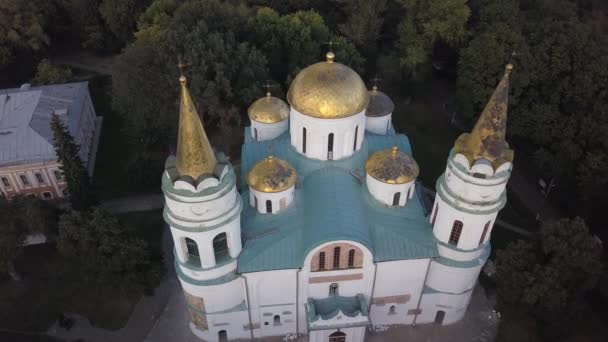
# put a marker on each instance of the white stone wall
(280, 200)
(379, 125)
(317, 134)
(356, 334)
(452, 279)
(454, 306)
(395, 279)
(234, 323)
(384, 192)
(268, 131)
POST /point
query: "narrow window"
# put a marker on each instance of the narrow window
(24, 180)
(304, 140)
(5, 181)
(255, 134)
(220, 247)
(455, 234)
(268, 206)
(322, 260)
(485, 231)
(409, 192)
(58, 175)
(330, 146)
(337, 257)
(351, 258)
(333, 289)
(392, 310)
(396, 198)
(435, 215)
(39, 178)
(388, 126)
(192, 249)
(277, 320)
(255, 202)
(356, 136)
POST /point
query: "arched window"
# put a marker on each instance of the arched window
(388, 125)
(304, 140)
(396, 198)
(351, 258)
(409, 192)
(277, 320)
(333, 289)
(220, 247)
(435, 215)
(338, 336)
(392, 310)
(255, 202)
(255, 134)
(356, 136)
(485, 231)
(222, 335)
(439, 317)
(193, 256)
(330, 146)
(455, 234)
(337, 257)
(322, 260)
(268, 206)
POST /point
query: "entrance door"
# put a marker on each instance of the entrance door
(338, 336)
(222, 336)
(439, 317)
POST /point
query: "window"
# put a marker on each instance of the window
(396, 198)
(5, 181)
(485, 231)
(392, 310)
(388, 125)
(333, 289)
(338, 336)
(356, 136)
(322, 260)
(337, 257)
(255, 202)
(47, 195)
(455, 234)
(330, 146)
(58, 175)
(222, 336)
(220, 247)
(435, 215)
(39, 178)
(65, 192)
(439, 317)
(192, 249)
(255, 134)
(304, 140)
(409, 192)
(24, 180)
(277, 320)
(268, 206)
(351, 258)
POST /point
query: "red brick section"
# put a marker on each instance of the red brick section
(400, 299)
(329, 257)
(196, 306)
(333, 279)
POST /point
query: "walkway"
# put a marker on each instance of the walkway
(142, 202)
(85, 60)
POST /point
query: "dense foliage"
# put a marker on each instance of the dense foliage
(49, 73)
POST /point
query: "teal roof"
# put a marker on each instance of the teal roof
(328, 308)
(331, 203)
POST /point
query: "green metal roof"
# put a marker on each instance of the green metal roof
(331, 203)
(328, 308)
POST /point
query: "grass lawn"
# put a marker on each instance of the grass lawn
(52, 284)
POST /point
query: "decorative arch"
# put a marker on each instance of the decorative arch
(220, 247)
(192, 253)
(349, 256)
(338, 336)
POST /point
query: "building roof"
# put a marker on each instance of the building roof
(331, 203)
(25, 116)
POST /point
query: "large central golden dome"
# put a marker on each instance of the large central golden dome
(328, 90)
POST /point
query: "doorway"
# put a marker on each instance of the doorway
(439, 317)
(222, 336)
(338, 336)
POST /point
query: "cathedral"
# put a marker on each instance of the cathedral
(329, 234)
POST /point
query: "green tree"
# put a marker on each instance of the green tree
(72, 167)
(49, 73)
(426, 23)
(550, 278)
(120, 16)
(99, 243)
(364, 24)
(21, 217)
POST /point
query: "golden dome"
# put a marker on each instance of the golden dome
(271, 175)
(268, 109)
(328, 90)
(379, 104)
(392, 166)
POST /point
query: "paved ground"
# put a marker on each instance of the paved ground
(142, 202)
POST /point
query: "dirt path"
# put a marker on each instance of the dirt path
(86, 61)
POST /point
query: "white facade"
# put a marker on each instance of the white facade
(390, 194)
(270, 202)
(326, 139)
(379, 124)
(261, 131)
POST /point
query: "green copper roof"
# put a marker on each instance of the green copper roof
(331, 203)
(328, 308)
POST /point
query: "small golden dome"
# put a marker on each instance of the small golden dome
(328, 90)
(392, 166)
(271, 175)
(379, 104)
(268, 109)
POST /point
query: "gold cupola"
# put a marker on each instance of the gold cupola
(195, 156)
(487, 140)
(392, 166)
(271, 175)
(328, 90)
(379, 104)
(268, 109)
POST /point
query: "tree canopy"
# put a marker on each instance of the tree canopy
(49, 73)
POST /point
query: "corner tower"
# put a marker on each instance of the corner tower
(470, 193)
(203, 212)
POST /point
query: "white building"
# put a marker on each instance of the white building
(330, 234)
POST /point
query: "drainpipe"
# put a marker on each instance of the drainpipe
(248, 306)
(420, 297)
(298, 302)
(369, 308)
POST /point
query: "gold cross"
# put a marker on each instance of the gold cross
(181, 66)
(330, 43)
(375, 80)
(268, 85)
